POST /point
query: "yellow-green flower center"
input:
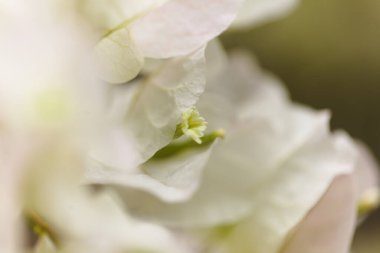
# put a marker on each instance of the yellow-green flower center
(192, 125)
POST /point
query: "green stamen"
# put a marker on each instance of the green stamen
(175, 148)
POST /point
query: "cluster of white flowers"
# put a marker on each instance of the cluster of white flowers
(125, 127)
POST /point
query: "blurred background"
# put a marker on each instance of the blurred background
(327, 52)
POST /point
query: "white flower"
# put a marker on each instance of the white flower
(51, 107)
(71, 218)
(144, 119)
(45, 74)
(276, 163)
(167, 28)
(147, 113)
(274, 177)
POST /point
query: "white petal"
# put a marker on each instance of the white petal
(330, 225)
(273, 149)
(153, 112)
(216, 60)
(84, 219)
(172, 180)
(181, 26)
(42, 89)
(366, 177)
(160, 100)
(367, 170)
(248, 169)
(106, 15)
(45, 245)
(290, 194)
(256, 12)
(241, 88)
(118, 59)
(9, 205)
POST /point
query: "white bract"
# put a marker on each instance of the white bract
(132, 30)
(78, 219)
(51, 107)
(143, 120)
(256, 12)
(276, 163)
(147, 115)
(139, 167)
(147, 122)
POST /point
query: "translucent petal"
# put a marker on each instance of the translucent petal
(182, 26)
(43, 84)
(56, 75)
(106, 15)
(366, 173)
(85, 219)
(118, 58)
(256, 12)
(44, 245)
(366, 178)
(161, 99)
(290, 194)
(330, 225)
(272, 149)
(152, 113)
(216, 60)
(174, 179)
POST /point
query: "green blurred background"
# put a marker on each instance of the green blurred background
(327, 52)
